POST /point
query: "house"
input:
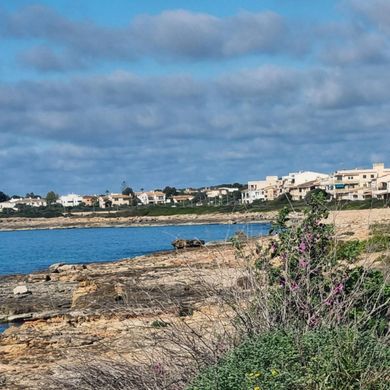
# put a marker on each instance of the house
(297, 178)
(70, 200)
(120, 200)
(7, 205)
(32, 202)
(268, 189)
(182, 198)
(151, 197)
(357, 184)
(114, 200)
(90, 200)
(299, 191)
(382, 188)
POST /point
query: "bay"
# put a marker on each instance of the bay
(34, 250)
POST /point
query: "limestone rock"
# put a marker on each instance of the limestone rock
(21, 290)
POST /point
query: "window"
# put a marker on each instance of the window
(372, 176)
(364, 176)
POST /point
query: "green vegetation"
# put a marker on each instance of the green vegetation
(51, 211)
(350, 250)
(378, 241)
(318, 359)
(318, 324)
(51, 197)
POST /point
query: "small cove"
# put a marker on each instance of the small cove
(33, 250)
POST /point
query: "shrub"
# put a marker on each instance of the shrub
(349, 250)
(307, 285)
(378, 242)
(321, 359)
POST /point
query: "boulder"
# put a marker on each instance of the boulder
(21, 290)
(181, 243)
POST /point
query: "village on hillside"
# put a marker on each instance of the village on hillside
(349, 185)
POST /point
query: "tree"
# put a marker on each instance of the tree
(128, 191)
(3, 197)
(317, 192)
(200, 197)
(169, 191)
(32, 195)
(51, 197)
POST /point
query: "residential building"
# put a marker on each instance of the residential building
(90, 200)
(299, 191)
(114, 200)
(358, 184)
(298, 178)
(151, 197)
(382, 190)
(32, 202)
(182, 198)
(7, 205)
(120, 200)
(70, 200)
(268, 189)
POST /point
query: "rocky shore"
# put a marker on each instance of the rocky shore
(70, 312)
(89, 308)
(112, 220)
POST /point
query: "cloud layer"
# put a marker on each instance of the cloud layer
(169, 36)
(325, 108)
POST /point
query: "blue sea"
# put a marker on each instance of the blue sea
(34, 250)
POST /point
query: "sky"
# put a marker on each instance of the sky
(189, 93)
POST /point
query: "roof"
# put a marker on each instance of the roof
(308, 184)
(182, 197)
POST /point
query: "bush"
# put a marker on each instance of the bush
(349, 250)
(378, 242)
(322, 359)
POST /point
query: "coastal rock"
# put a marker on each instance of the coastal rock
(55, 267)
(21, 290)
(181, 244)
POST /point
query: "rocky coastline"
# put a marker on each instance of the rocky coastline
(94, 221)
(103, 309)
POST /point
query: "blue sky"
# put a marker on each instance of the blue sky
(189, 93)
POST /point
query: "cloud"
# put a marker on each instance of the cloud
(170, 36)
(375, 12)
(324, 106)
(91, 133)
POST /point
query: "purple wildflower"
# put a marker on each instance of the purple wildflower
(302, 247)
(302, 263)
(339, 288)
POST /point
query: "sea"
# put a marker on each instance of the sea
(27, 251)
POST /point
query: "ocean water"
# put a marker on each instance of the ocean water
(34, 250)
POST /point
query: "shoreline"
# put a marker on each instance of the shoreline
(92, 309)
(27, 224)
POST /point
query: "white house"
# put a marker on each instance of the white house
(151, 197)
(70, 200)
(297, 178)
(7, 205)
(32, 202)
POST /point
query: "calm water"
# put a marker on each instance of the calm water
(28, 251)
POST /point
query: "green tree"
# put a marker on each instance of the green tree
(128, 191)
(169, 191)
(51, 197)
(3, 197)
